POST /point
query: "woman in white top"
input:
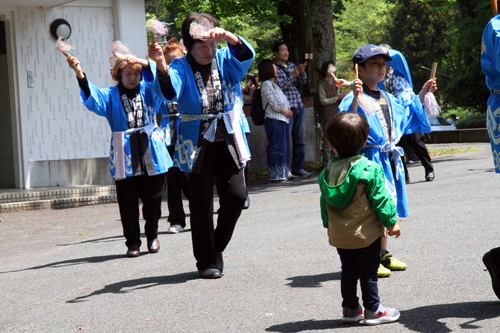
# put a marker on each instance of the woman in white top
(278, 112)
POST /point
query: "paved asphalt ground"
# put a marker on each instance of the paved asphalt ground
(65, 270)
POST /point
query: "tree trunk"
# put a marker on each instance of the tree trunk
(311, 31)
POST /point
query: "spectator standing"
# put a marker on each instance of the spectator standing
(355, 207)
(276, 120)
(328, 100)
(288, 78)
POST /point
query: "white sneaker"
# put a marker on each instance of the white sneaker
(381, 316)
(353, 315)
(175, 229)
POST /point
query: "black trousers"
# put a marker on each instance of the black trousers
(416, 141)
(207, 240)
(128, 191)
(177, 182)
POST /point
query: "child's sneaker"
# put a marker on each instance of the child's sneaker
(381, 316)
(383, 272)
(392, 263)
(353, 315)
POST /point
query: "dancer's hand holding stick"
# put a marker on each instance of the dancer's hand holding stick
(119, 50)
(156, 27)
(74, 64)
(65, 48)
(426, 95)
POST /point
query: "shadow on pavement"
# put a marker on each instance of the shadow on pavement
(423, 319)
(96, 240)
(79, 261)
(430, 318)
(137, 284)
(312, 281)
(115, 238)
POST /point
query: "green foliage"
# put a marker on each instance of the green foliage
(421, 32)
(468, 88)
(460, 112)
(359, 22)
(256, 21)
(474, 121)
(233, 11)
(451, 151)
(260, 34)
(159, 10)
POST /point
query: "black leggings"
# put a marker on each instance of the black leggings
(207, 240)
(128, 191)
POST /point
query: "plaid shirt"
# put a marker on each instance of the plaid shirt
(287, 84)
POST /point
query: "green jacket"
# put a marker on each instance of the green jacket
(355, 205)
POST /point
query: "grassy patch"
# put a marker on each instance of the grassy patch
(451, 151)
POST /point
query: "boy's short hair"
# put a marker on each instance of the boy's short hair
(203, 19)
(347, 132)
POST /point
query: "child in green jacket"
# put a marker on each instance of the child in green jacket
(356, 208)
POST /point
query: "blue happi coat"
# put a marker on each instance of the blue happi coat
(169, 124)
(405, 121)
(232, 71)
(106, 102)
(490, 64)
(402, 82)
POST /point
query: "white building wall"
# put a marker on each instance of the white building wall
(62, 142)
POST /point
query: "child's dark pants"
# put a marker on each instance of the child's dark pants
(360, 264)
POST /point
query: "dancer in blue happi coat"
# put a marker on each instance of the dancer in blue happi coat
(211, 142)
(138, 155)
(490, 63)
(398, 82)
(388, 121)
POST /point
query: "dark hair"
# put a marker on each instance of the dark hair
(347, 132)
(200, 18)
(276, 46)
(251, 80)
(266, 70)
(324, 68)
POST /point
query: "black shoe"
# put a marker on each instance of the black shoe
(210, 273)
(153, 245)
(247, 203)
(407, 180)
(133, 251)
(219, 261)
(429, 176)
(492, 262)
